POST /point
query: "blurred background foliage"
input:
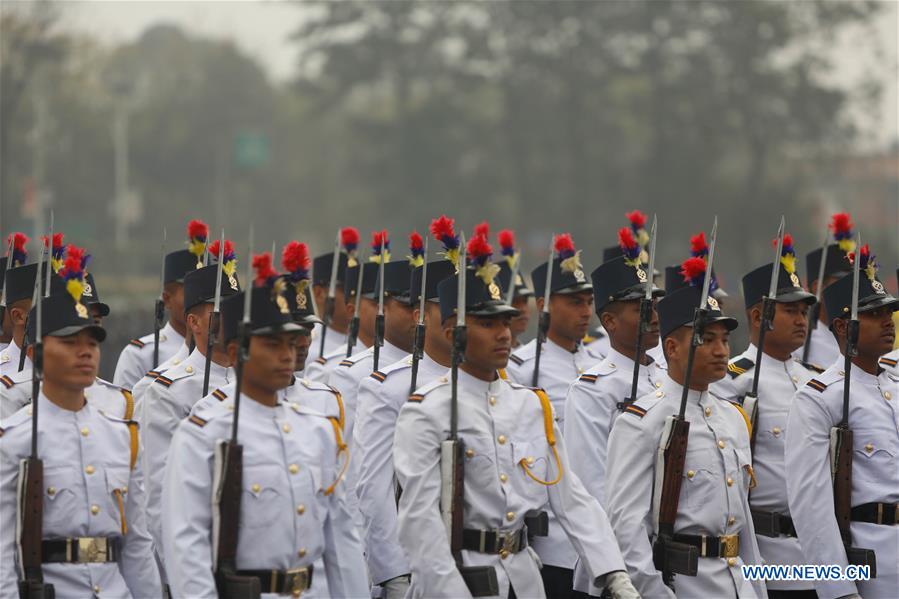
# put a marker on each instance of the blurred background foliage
(541, 116)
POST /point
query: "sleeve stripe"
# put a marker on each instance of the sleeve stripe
(636, 410)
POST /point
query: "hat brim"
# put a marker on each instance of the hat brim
(878, 301)
(275, 329)
(491, 309)
(103, 308)
(720, 294)
(523, 291)
(729, 322)
(573, 289)
(307, 319)
(799, 295)
(98, 332)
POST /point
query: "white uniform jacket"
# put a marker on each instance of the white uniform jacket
(90, 490)
(381, 396)
(504, 429)
(713, 498)
(292, 513)
(874, 420)
(137, 357)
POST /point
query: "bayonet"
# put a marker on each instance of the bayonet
(214, 317)
(510, 292)
(379, 319)
(9, 247)
(543, 324)
(418, 342)
(332, 293)
(815, 312)
(159, 311)
(750, 401)
(49, 258)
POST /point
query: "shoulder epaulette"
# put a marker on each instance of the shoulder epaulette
(321, 360)
(137, 343)
(416, 397)
(635, 410)
(7, 382)
(516, 359)
(813, 367)
(163, 380)
(193, 418)
(382, 374)
(588, 378)
(888, 361)
(152, 374)
(346, 362)
(378, 376)
(220, 395)
(739, 366)
(427, 388)
(817, 385)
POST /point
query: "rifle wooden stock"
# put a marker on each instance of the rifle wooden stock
(542, 330)
(353, 336)
(379, 340)
(158, 323)
(228, 495)
(418, 344)
(31, 510)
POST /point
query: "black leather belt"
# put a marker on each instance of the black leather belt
(80, 550)
(494, 542)
(282, 582)
(876, 513)
(709, 546)
(772, 524)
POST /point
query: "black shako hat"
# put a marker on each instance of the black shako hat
(397, 277)
(678, 309)
(61, 316)
(521, 287)
(837, 263)
(674, 280)
(177, 264)
(269, 313)
(438, 270)
(20, 282)
(756, 285)
(199, 286)
(321, 268)
(300, 304)
(616, 280)
(871, 295)
(481, 299)
(369, 278)
(567, 274)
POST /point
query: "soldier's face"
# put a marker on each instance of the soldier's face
(271, 362)
(570, 314)
(876, 332)
(304, 340)
(710, 362)
(489, 343)
(368, 309)
(434, 337)
(173, 298)
(790, 327)
(621, 320)
(399, 323)
(339, 318)
(71, 362)
(520, 323)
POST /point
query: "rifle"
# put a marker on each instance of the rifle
(543, 324)
(159, 309)
(418, 343)
(332, 293)
(354, 323)
(379, 319)
(228, 475)
(751, 400)
(212, 331)
(841, 440)
(669, 556)
(481, 580)
(645, 318)
(31, 473)
(815, 312)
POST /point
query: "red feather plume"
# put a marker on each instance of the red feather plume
(295, 257)
(626, 239)
(377, 237)
(693, 269)
(507, 239)
(18, 241)
(637, 218)
(197, 229)
(482, 229)
(479, 250)
(214, 249)
(415, 241)
(262, 264)
(349, 237)
(442, 228)
(698, 246)
(564, 243)
(841, 224)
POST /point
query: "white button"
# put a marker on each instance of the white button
(503, 478)
(501, 439)
(301, 509)
(286, 428)
(510, 516)
(189, 369)
(721, 444)
(795, 379)
(256, 488)
(89, 469)
(85, 431)
(293, 468)
(95, 509)
(887, 395)
(658, 384)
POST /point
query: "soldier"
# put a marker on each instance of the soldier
(776, 383)
(890, 361)
(136, 359)
(17, 255)
(168, 400)
(873, 419)
(95, 538)
(322, 268)
(514, 462)
(711, 512)
(321, 368)
(563, 358)
(19, 289)
(522, 294)
(295, 261)
(292, 510)
(381, 395)
(822, 347)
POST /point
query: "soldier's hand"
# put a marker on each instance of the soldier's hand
(619, 586)
(396, 588)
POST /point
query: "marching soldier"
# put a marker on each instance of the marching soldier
(381, 395)
(871, 505)
(136, 359)
(710, 513)
(514, 462)
(168, 400)
(521, 294)
(295, 261)
(568, 299)
(821, 347)
(19, 289)
(16, 255)
(330, 304)
(292, 513)
(775, 384)
(94, 539)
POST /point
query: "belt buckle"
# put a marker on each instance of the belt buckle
(510, 542)
(296, 581)
(92, 550)
(729, 545)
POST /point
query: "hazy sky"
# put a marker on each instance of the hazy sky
(261, 28)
